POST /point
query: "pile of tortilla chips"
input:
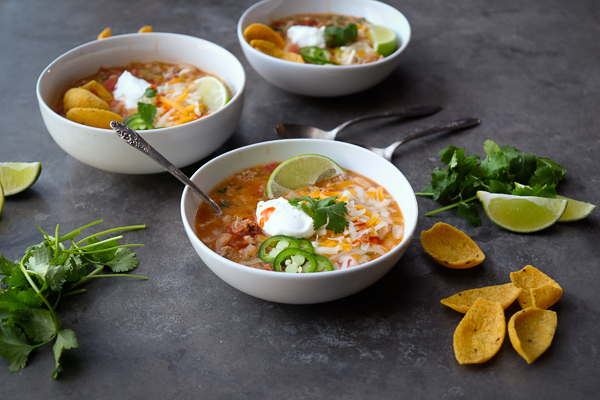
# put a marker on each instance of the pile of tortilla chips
(89, 105)
(269, 42)
(480, 334)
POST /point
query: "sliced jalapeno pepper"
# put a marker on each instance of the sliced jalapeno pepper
(306, 245)
(297, 258)
(271, 247)
(324, 264)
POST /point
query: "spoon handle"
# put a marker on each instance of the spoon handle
(449, 126)
(419, 111)
(133, 139)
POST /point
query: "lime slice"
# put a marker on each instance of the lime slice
(212, 92)
(576, 210)
(384, 39)
(521, 214)
(1, 198)
(301, 171)
(18, 176)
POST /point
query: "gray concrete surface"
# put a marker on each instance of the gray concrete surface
(529, 70)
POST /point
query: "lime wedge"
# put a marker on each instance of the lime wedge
(384, 39)
(1, 198)
(18, 176)
(212, 92)
(301, 171)
(576, 210)
(521, 214)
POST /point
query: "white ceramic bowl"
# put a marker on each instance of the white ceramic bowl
(301, 288)
(323, 80)
(183, 144)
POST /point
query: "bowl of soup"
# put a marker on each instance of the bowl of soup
(381, 220)
(154, 82)
(324, 47)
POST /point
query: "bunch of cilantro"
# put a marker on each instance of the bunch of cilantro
(497, 173)
(323, 212)
(32, 288)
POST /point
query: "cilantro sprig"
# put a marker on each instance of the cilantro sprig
(142, 120)
(497, 173)
(336, 36)
(32, 288)
(326, 211)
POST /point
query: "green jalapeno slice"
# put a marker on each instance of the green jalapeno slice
(291, 259)
(271, 247)
(306, 245)
(324, 264)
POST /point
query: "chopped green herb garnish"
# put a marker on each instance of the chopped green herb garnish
(336, 36)
(224, 204)
(33, 286)
(143, 119)
(239, 188)
(223, 190)
(149, 93)
(497, 173)
(322, 210)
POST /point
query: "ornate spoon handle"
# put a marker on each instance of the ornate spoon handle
(133, 139)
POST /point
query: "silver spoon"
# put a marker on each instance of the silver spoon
(387, 152)
(133, 139)
(292, 131)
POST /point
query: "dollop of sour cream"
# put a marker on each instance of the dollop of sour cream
(305, 36)
(129, 89)
(279, 217)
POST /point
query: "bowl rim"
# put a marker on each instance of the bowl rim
(249, 270)
(246, 46)
(239, 94)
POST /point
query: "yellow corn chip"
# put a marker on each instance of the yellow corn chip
(82, 98)
(93, 117)
(272, 50)
(531, 332)
(295, 57)
(503, 294)
(480, 334)
(99, 91)
(263, 32)
(546, 293)
(451, 247)
(104, 34)
(145, 29)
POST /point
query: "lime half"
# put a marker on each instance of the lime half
(521, 214)
(18, 176)
(576, 210)
(212, 92)
(384, 39)
(301, 171)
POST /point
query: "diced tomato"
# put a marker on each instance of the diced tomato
(271, 166)
(294, 48)
(109, 85)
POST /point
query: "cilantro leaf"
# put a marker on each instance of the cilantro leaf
(547, 172)
(14, 347)
(124, 260)
(323, 212)
(65, 339)
(336, 36)
(40, 325)
(7, 266)
(470, 212)
(147, 112)
(41, 264)
(548, 191)
(149, 93)
(15, 299)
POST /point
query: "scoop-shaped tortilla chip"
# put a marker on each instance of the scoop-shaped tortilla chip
(531, 332)
(263, 32)
(99, 91)
(104, 34)
(480, 334)
(546, 293)
(503, 294)
(93, 117)
(272, 50)
(82, 98)
(451, 247)
(145, 29)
